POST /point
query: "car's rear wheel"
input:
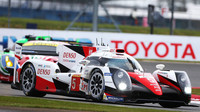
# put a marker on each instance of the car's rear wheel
(28, 82)
(170, 104)
(96, 85)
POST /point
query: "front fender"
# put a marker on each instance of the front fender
(106, 74)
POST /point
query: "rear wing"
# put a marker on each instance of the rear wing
(69, 56)
(31, 37)
(74, 43)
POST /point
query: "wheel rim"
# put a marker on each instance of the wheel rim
(28, 79)
(96, 85)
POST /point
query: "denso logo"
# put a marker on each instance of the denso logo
(69, 55)
(43, 71)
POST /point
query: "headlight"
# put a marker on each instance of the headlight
(188, 90)
(122, 86)
(120, 74)
(122, 80)
(8, 62)
(184, 82)
(183, 78)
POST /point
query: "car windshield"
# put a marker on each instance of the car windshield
(125, 64)
(39, 50)
(128, 64)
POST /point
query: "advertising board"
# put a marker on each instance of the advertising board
(141, 46)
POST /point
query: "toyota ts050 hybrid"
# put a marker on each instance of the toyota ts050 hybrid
(96, 73)
(7, 56)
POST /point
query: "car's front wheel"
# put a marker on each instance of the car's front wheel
(28, 82)
(96, 85)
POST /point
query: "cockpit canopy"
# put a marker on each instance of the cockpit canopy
(124, 61)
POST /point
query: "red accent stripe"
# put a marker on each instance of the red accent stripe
(18, 57)
(165, 81)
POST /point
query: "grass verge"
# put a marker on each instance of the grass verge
(44, 103)
(62, 25)
(196, 91)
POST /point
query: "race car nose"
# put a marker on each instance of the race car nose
(146, 80)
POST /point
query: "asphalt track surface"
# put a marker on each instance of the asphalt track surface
(191, 69)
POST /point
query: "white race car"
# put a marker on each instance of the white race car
(105, 74)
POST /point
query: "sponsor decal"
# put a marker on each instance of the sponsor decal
(86, 72)
(115, 99)
(18, 48)
(145, 76)
(44, 66)
(69, 55)
(43, 71)
(149, 78)
(107, 74)
(84, 85)
(47, 66)
(39, 65)
(70, 61)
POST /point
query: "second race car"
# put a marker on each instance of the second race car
(7, 57)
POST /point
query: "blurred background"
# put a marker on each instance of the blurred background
(178, 17)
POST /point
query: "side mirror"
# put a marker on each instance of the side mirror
(160, 66)
(6, 50)
(84, 62)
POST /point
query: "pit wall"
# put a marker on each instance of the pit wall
(140, 46)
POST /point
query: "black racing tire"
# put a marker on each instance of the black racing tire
(96, 85)
(28, 81)
(170, 104)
